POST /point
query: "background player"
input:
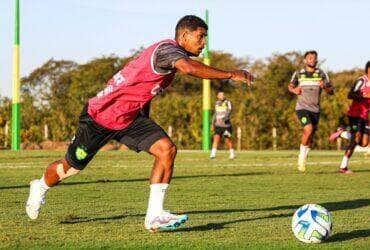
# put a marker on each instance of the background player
(221, 124)
(116, 113)
(308, 84)
(358, 117)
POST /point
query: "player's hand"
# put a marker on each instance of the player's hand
(298, 90)
(321, 84)
(242, 76)
(366, 95)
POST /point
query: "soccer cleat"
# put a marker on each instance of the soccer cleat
(35, 199)
(345, 171)
(165, 222)
(212, 157)
(232, 156)
(335, 135)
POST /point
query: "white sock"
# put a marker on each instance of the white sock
(43, 184)
(307, 150)
(303, 151)
(213, 152)
(344, 163)
(232, 152)
(156, 199)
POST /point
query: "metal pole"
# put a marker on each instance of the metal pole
(16, 106)
(206, 133)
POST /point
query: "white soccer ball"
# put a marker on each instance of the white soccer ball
(312, 223)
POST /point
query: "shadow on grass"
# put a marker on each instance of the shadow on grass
(223, 225)
(331, 206)
(143, 179)
(71, 219)
(350, 235)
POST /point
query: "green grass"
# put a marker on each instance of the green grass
(244, 203)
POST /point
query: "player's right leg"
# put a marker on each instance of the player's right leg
(309, 121)
(89, 138)
(216, 141)
(304, 148)
(55, 173)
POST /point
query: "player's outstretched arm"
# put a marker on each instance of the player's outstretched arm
(198, 69)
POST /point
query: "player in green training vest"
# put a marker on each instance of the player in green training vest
(308, 84)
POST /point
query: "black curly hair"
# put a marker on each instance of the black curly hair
(191, 23)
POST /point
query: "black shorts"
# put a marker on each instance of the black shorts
(90, 137)
(308, 117)
(358, 124)
(224, 131)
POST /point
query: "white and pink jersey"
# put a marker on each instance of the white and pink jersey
(117, 106)
(360, 108)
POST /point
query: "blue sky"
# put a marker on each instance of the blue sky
(80, 30)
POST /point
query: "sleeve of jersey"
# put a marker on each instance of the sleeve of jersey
(167, 54)
(294, 79)
(357, 85)
(326, 79)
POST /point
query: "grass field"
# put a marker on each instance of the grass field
(244, 203)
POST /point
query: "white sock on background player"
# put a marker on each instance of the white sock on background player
(344, 163)
(232, 154)
(303, 152)
(213, 152)
(156, 199)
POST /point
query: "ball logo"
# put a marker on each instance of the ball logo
(156, 90)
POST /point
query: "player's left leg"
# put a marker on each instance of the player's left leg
(157, 218)
(216, 141)
(145, 135)
(229, 142)
(355, 139)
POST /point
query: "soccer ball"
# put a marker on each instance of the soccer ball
(312, 223)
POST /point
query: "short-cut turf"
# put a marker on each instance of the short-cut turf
(243, 203)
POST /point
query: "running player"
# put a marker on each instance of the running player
(116, 113)
(358, 119)
(308, 84)
(221, 124)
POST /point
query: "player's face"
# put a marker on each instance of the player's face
(221, 96)
(311, 60)
(194, 41)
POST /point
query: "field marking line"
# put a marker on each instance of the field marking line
(323, 163)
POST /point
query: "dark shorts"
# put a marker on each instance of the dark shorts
(358, 124)
(306, 117)
(90, 137)
(224, 131)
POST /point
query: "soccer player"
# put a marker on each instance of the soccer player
(308, 84)
(117, 113)
(221, 124)
(357, 114)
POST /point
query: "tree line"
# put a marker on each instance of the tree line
(55, 93)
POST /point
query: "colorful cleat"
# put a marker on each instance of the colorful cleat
(165, 222)
(345, 171)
